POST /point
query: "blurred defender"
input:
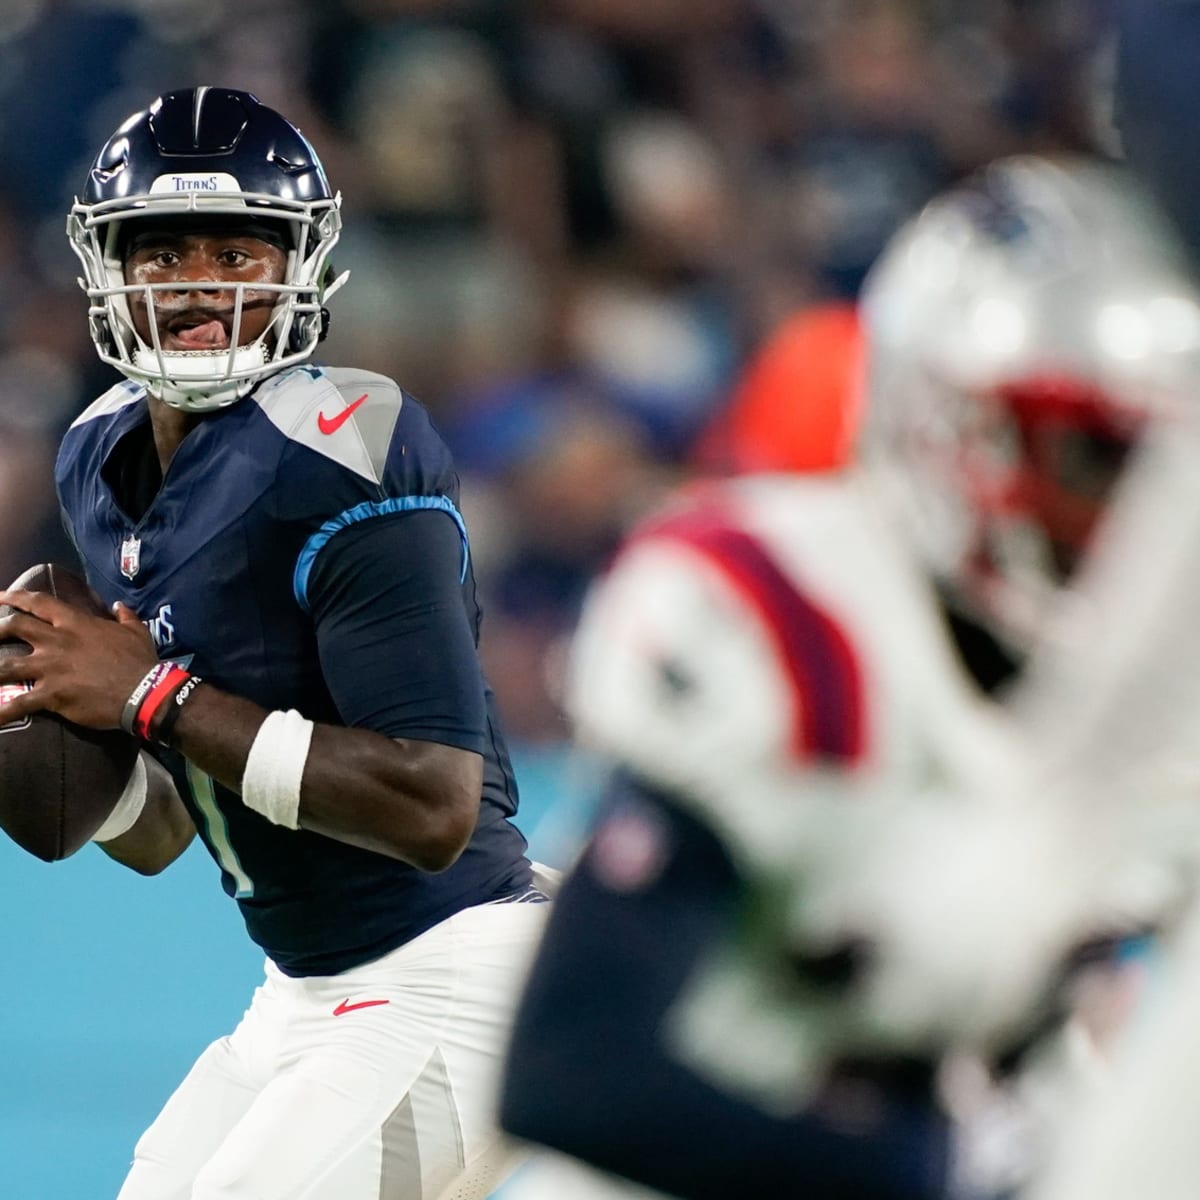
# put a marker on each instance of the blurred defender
(843, 838)
(589, 1073)
(295, 645)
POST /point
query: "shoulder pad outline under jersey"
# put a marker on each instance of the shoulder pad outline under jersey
(343, 414)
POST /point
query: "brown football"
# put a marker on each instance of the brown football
(58, 781)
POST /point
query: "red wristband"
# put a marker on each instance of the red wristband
(155, 698)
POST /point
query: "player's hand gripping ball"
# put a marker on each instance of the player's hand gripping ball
(58, 781)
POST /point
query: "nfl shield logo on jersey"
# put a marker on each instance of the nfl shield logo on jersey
(131, 556)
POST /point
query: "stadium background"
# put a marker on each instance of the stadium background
(570, 223)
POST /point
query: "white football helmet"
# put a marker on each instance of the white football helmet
(1020, 332)
(207, 152)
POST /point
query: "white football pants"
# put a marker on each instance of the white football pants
(376, 1084)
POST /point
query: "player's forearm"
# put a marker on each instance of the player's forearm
(413, 800)
(162, 831)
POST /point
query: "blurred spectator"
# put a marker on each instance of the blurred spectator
(555, 471)
(796, 405)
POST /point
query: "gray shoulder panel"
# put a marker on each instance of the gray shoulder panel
(116, 398)
(345, 414)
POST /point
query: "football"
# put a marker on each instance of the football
(58, 781)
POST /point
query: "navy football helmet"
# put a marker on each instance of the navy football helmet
(207, 152)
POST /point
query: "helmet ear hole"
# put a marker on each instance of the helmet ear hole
(102, 335)
(302, 330)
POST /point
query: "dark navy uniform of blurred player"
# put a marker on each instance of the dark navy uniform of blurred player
(295, 644)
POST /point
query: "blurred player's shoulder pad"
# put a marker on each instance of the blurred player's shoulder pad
(761, 638)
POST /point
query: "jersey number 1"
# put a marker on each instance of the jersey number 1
(217, 832)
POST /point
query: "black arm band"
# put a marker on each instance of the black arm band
(162, 734)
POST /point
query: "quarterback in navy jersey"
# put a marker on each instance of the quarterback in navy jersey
(295, 647)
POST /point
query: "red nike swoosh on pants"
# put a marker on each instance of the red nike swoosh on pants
(346, 1006)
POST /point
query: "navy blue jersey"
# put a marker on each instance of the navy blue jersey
(305, 550)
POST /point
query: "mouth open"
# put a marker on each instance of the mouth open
(196, 332)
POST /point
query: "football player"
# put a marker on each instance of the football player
(295, 643)
(843, 845)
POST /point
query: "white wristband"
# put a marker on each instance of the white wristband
(128, 808)
(275, 766)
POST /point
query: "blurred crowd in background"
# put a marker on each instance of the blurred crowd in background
(571, 224)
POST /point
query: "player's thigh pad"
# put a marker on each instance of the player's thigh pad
(193, 1123)
(386, 1079)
